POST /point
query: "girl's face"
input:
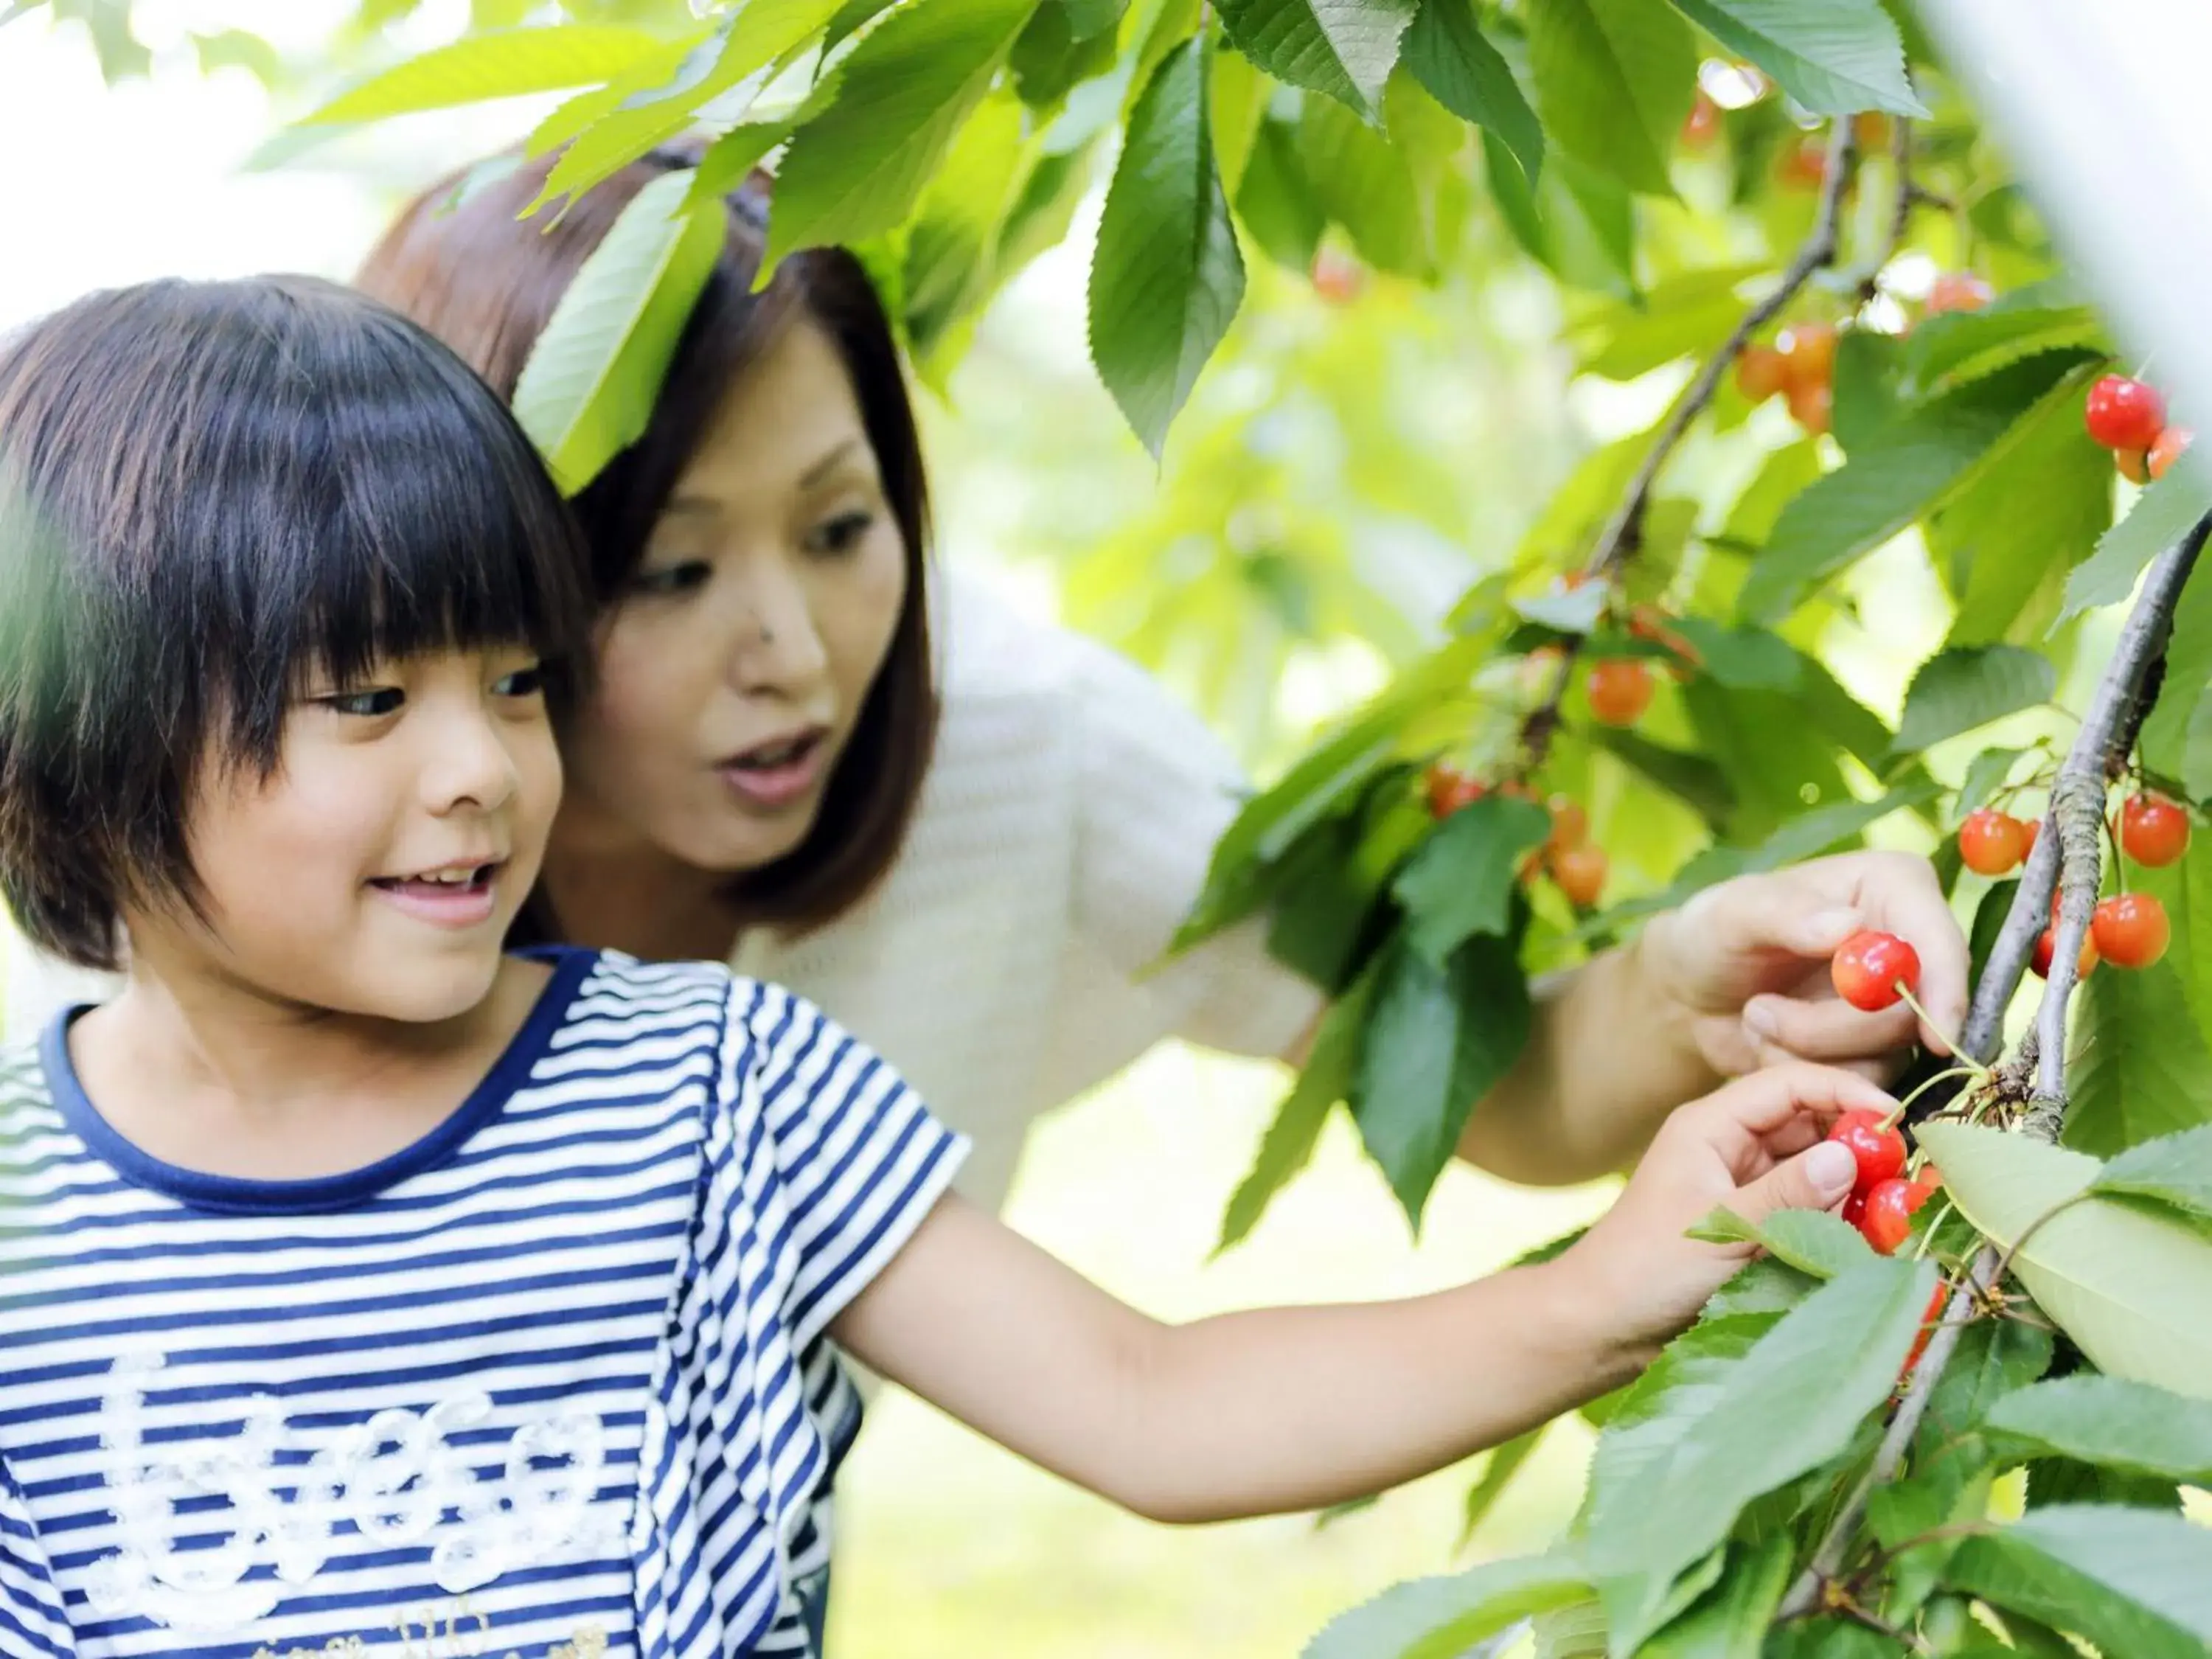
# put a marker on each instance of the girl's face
(374, 873)
(732, 673)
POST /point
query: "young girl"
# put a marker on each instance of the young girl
(370, 1289)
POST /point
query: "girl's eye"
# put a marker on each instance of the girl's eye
(843, 533)
(523, 683)
(687, 577)
(369, 705)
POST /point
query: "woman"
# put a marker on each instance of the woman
(973, 855)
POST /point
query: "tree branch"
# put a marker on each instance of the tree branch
(2070, 854)
(1624, 532)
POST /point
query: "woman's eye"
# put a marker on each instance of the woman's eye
(523, 683)
(687, 577)
(843, 533)
(369, 705)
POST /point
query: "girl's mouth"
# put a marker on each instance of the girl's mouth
(453, 895)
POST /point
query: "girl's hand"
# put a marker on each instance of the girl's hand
(1755, 1144)
(1747, 962)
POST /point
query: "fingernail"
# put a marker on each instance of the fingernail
(1831, 1168)
(1760, 1019)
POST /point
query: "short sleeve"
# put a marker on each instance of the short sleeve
(859, 1161)
(1156, 792)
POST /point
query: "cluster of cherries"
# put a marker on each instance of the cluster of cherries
(2128, 418)
(1575, 864)
(1873, 971)
(2129, 929)
(1801, 365)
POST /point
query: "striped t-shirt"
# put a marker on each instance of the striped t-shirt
(550, 1382)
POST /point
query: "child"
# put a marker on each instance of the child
(370, 1289)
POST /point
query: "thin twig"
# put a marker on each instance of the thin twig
(2076, 819)
(1900, 212)
(1624, 532)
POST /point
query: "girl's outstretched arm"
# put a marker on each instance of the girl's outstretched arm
(1293, 1408)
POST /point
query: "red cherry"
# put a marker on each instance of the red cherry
(1337, 278)
(1874, 1144)
(2167, 450)
(2046, 946)
(1804, 166)
(2134, 465)
(1580, 871)
(1871, 968)
(1449, 789)
(2130, 930)
(2154, 831)
(1958, 291)
(1619, 691)
(1701, 123)
(1761, 371)
(1991, 842)
(1889, 1206)
(2034, 828)
(2125, 414)
(1809, 349)
(1855, 1207)
(1570, 823)
(1813, 407)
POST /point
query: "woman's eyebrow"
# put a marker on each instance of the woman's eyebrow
(828, 464)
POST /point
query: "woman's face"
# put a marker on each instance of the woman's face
(733, 671)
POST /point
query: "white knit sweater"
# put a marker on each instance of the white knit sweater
(1002, 964)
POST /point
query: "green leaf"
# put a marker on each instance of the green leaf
(2175, 739)
(1498, 1472)
(1743, 658)
(2175, 1170)
(2133, 1290)
(1910, 469)
(1275, 200)
(1985, 774)
(1812, 1241)
(1836, 58)
(1460, 880)
(1945, 352)
(1762, 1285)
(1365, 183)
(1956, 691)
(1167, 277)
(1691, 778)
(949, 240)
(1789, 1406)
(2162, 515)
(1989, 922)
(1289, 1144)
(2140, 1068)
(1445, 50)
(1343, 49)
(1442, 1618)
(2135, 1582)
(856, 169)
(2110, 1421)
(1684, 316)
(587, 391)
(2025, 520)
(748, 47)
(500, 63)
(1730, 1620)
(1435, 1041)
(1614, 79)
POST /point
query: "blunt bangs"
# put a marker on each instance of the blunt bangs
(223, 491)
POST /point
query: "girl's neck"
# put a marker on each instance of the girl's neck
(227, 1079)
(633, 897)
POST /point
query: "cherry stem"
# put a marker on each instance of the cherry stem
(1968, 1069)
(1928, 1238)
(1974, 1067)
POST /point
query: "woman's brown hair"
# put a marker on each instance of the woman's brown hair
(463, 263)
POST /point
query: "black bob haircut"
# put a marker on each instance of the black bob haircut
(210, 494)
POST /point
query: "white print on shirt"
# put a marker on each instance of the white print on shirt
(395, 1478)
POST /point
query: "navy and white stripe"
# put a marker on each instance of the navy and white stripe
(554, 1378)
